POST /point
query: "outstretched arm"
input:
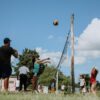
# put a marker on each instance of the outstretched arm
(44, 62)
(41, 61)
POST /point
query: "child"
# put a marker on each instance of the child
(82, 84)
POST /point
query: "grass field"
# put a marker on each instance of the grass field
(32, 96)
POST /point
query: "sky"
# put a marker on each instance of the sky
(29, 24)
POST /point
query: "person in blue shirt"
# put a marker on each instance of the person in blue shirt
(36, 70)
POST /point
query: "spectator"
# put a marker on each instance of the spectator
(62, 87)
(23, 71)
(53, 85)
(82, 84)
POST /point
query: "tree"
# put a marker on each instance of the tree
(49, 74)
(26, 57)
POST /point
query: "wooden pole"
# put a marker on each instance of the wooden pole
(57, 82)
(72, 54)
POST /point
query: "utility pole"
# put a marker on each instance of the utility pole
(57, 82)
(72, 54)
(56, 23)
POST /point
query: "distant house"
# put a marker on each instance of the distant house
(12, 84)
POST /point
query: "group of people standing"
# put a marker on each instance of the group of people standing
(89, 84)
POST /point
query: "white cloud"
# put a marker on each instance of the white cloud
(89, 41)
(54, 56)
(79, 60)
(40, 50)
(89, 53)
(90, 38)
(12, 59)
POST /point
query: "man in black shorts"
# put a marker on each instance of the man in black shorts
(5, 61)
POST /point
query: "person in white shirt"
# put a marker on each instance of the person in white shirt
(23, 71)
(82, 84)
(62, 87)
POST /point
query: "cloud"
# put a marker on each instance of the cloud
(89, 53)
(90, 38)
(54, 56)
(88, 44)
(14, 61)
(80, 60)
(40, 50)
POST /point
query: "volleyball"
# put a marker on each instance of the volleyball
(55, 22)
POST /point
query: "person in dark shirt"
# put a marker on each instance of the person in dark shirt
(5, 61)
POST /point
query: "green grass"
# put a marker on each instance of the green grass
(32, 96)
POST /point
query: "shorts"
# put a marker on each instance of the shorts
(5, 73)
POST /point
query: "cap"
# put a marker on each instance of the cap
(6, 40)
